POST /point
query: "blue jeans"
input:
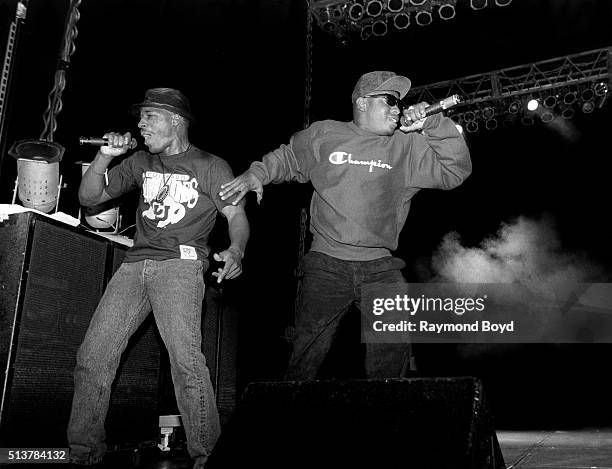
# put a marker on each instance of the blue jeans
(329, 287)
(173, 290)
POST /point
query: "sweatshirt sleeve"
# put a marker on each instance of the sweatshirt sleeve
(291, 162)
(438, 157)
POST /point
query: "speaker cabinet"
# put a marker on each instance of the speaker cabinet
(419, 423)
(219, 345)
(51, 279)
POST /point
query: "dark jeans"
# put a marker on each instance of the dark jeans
(329, 287)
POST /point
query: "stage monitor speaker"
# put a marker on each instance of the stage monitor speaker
(437, 423)
(51, 279)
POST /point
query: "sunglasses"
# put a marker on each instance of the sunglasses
(389, 99)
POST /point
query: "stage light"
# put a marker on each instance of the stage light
(446, 11)
(503, 3)
(379, 28)
(488, 112)
(532, 104)
(366, 30)
(550, 101)
(401, 20)
(355, 11)
(547, 116)
(344, 18)
(423, 18)
(491, 124)
(478, 4)
(469, 116)
(527, 120)
(38, 178)
(570, 97)
(395, 6)
(100, 219)
(588, 107)
(374, 8)
(472, 126)
(567, 112)
(587, 94)
(600, 89)
(514, 107)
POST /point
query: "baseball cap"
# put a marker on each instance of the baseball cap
(165, 98)
(379, 81)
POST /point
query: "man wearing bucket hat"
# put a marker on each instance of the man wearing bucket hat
(163, 271)
(364, 175)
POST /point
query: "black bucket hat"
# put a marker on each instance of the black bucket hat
(165, 98)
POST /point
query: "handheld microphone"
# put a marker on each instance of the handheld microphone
(442, 105)
(98, 142)
(438, 107)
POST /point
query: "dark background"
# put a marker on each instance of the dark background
(242, 63)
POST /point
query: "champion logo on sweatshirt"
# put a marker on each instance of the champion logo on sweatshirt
(342, 157)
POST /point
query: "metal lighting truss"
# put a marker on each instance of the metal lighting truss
(376, 17)
(564, 81)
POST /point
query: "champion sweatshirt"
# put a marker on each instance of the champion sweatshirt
(363, 182)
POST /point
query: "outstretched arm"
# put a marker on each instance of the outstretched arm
(290, 162)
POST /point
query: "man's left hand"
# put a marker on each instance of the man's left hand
(232, 257)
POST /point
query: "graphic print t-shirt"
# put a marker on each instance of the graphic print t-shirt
(177, 227)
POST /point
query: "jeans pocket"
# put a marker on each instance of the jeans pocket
(318, 262)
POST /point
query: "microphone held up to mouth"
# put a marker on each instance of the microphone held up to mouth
(98, 142)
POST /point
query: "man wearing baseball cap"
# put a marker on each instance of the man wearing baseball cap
(162, 272)
(364, 175)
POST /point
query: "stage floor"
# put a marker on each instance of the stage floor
(568, 449)
(588, 448)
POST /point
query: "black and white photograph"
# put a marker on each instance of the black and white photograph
(305, 234)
